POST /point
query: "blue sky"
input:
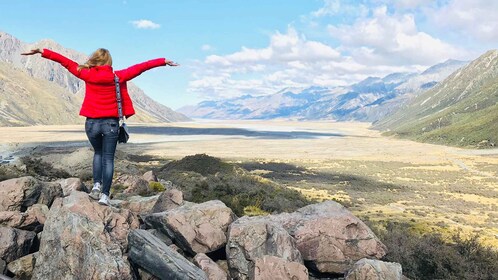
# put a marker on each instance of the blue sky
(228, 48)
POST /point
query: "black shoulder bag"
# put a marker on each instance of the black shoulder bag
(123, 134)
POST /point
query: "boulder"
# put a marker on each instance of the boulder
(139, 204)
(212, 269)
(72, 184)
(3, 266)
(49, 192)
(19, 193)
(330, 238)
(149, 176)
(32, 220)
(134, 184)
(157, 258)
(271, 267)
(84, 239)
(22, 268)
(15, 243)
(375, 270)
(195, 228)
(163, 237)
(250, 238)
(169, 199)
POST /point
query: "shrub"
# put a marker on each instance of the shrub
(156, 187)
(429, 256)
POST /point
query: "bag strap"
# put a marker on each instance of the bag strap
(118, 98)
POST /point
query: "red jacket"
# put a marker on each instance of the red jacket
(100, 95)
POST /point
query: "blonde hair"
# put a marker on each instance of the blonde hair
(98, 58)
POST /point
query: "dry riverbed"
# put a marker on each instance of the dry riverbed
(438, 188)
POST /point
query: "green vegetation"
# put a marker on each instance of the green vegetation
(430, 256)
(203, 178)
(156, 187)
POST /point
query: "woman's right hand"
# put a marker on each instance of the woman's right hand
(32, 52)
(171, 63)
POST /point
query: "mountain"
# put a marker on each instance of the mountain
(461, 110)
(369, 100)
(34, 90)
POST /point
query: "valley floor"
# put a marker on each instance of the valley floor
(438, 188)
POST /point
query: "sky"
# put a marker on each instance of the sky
(229, 48)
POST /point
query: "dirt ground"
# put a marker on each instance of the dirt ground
(439, 188)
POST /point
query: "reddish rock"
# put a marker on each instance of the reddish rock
(84, 238)
(375, 270)
(212, 269)
(149, 176)
(19, 193)
(169, 199)
(250, 238)
(330, 237)
(134, 184)
(72, 184)
(271, 267)
(196, 228)
(139, 204)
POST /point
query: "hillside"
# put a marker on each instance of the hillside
(43, 80)
(462, 110)
(369, 100)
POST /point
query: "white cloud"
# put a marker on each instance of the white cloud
(475, 19)
(392, 40)
(206, 47)
(145, 24)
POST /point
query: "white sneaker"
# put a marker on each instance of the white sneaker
(104, 200)
(95, 193)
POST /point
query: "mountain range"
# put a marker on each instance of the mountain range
(38, 91)
(462, 110)
(369, 100)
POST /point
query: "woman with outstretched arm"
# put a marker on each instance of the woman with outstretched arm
(101, 109)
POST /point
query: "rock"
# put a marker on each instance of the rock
(212, 269)
(250, 238)
(375, 270)
(32, 220)
(271, 267)
(85, 240)
(144, 275)
(149, 176)
(22, 268)
(72, 184)
(134, 184)
(139, 204)
(15, 243)
(19, 193)
(49, 192)
(169, 199)
(329, 237)
(196, 228)
(39, 211)
(157, 258)
(3, 266)
(4, 277)
(163, 237)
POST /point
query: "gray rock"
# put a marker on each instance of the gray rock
(163, 237)
(149, 176)
(157, 258)
(15, 243)
(330, 237)
(195, 228)
(49, 192)
(168, 200)
(250, 238)
(212, 269)
(139, 204)
(375, 270)
(3, 266)
(271, 267)
(85, 240)
(22, 268)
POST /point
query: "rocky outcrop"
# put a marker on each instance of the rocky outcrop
(250, 238)
(169, 199)
(375, 270)
(72, 184)
(212, 269)
(84, 239)
(20, 193)
(271, 267)
(195, 228)
(15, 243)
(157, 258)
(330, 238)
(138, 204)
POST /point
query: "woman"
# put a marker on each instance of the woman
(100, 108)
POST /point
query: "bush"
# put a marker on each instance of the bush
(156, 187)
(429, 256)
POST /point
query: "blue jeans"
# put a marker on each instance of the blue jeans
(103, 135)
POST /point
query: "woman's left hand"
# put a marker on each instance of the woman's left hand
(171, 63)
